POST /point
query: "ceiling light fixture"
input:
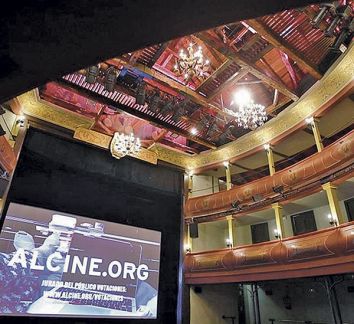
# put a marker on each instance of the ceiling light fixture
(194, 131)
(122, 145)
(191, 64)
(248, 115)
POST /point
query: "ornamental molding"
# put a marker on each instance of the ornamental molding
(338, 79)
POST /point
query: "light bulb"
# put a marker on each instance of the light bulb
(309, 120)
(194, 131)
(242, 97)
(226, 164)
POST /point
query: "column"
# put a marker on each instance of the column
(278, 211)
(229, 218)
(332, 197)
(313, 122)
(270, 156)
(231, 230)
(188, 235)
(228, 175)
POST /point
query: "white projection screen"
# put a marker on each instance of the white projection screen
(56, 264)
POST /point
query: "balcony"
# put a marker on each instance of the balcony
(327, 251)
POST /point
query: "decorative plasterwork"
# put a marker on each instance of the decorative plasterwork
(103, 141)
(339, 77)
(33, 106)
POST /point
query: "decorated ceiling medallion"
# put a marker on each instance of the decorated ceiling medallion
(122, 145)
(191, 64)
(248, 114)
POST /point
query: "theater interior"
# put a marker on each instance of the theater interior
(227, 128)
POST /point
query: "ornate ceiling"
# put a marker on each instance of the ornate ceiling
(277, 58)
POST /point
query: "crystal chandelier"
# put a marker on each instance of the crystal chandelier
(123, 145)
(191, 64)
(249, 115)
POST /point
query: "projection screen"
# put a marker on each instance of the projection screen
(57, 264)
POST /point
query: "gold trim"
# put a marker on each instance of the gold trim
(92, 137)
(33, 106)
(336, 79)
(104, 141)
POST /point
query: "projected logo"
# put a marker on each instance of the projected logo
(55, 264)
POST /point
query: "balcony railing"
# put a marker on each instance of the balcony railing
(296, 180)
(324, 252)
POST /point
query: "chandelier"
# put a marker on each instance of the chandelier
(249, 115)
(122, 145)
(191, 64)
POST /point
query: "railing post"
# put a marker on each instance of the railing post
(333, 201)
(229, 218)
(269, 150)
(278, 211)
(313, 122)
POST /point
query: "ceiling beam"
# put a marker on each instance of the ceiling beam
(158, 54)
(285, 47)
(271, 110)
(174, 85)
(213, 76)
(253, 69)
(122, 108)
(229, 83)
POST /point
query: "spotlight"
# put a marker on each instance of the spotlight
(338, 45)
(154, 102)
(342, 13)
(167, 108)
(180, 110)
(212, 129)
(324, 9)
(236, 205)
(110, 79)
(140, 93)
(92, 74)
(330, 29)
